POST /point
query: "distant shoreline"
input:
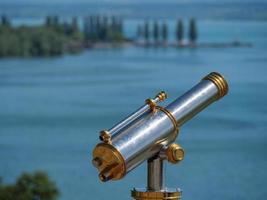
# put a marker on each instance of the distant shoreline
(197, 45)
(126, 44)
(57, 37)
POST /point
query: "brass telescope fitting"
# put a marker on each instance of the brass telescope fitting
(175, 194)
(174, 153)
(152, 103)
(109, 162)
(162, 96)
(149, 134)
(220, 82)
(105, 136)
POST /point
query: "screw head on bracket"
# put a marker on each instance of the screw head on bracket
(174, 153)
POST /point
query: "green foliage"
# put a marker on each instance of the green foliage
(156, 31)
(30, 187)
(164, 32)
(139, 31)
(5, 21)
(74, 25)
(146, 31)
(55, 21)
(192, 31)
(52, 39)
(8, 42)
(46, 42)
(48, 21)
(102, 29)
(179, 31)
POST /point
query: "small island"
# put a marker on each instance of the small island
(56, 37)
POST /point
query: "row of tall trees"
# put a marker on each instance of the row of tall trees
(5, 21)
(67, 28)
(103, 29)
(160, 32)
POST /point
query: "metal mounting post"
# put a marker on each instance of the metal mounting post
(155, 176)
(156, 189)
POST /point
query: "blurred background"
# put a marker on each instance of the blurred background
(69, 69)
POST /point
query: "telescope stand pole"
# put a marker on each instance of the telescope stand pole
(155, 183)
(155, 175)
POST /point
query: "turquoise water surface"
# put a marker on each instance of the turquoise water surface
(52, 109)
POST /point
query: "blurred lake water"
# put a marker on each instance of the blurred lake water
(52, 109)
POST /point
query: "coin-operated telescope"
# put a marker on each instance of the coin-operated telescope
(149, 134)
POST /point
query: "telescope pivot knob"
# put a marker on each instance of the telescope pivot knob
(174, 153)
(152, 103)
(162, 96)
(105, 136)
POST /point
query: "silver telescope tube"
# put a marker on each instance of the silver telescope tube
(107, 135)
(146, 136)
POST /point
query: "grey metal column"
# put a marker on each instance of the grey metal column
(155, 176)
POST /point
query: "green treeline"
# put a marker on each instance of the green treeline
(30, 187)
(159, 33)
(193, 31)
(55, 38)
(51, 39)
(103, 29)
